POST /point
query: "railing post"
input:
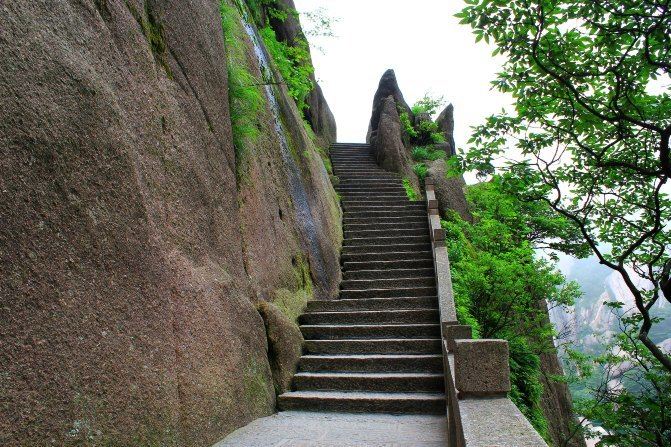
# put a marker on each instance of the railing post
(481, 368)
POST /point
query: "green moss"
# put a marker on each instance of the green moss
(292, 301)
(258, 388)
(410, 191)
(152, 29)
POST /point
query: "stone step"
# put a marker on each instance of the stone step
(352, 266)
(394, 255)
(372, 195)
(371, 317)
(359, 179)
(383, 215)
(364, 174)
(384, 240)
(426, 272)
(346, 175)
(345, 151)
(428, 345)
(385, 207)
(347, 189)
(388, 293)
(368, 331)
(388, 283)
(376, 201)
(370, 183)
(367, 196)
(362, 402)
(358, 162)
(388, 232)
(400, 303)
(403, 382)
(383, 180)
(390, 220)
(388, 226)
(428, 363)
(361, 166)
(414, 248)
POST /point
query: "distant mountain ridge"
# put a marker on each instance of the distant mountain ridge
(590, 323)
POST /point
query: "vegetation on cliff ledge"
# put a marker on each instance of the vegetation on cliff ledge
(501, 287)
(590, 139)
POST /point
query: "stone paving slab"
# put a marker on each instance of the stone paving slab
(312, 429)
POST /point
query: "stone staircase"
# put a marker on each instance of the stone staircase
(377, 348)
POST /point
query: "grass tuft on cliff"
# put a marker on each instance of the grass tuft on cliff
(244, 93)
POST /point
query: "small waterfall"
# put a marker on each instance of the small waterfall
(296, 188)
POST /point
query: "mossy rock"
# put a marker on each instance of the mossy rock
(284, 345)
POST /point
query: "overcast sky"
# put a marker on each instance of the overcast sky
(422, 42)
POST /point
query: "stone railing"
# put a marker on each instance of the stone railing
(477, 375)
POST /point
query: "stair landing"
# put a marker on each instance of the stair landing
(303, 429)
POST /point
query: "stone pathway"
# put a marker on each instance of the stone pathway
(313, 429)
(375, 349)
(372, 357)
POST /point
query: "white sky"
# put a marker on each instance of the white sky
(423, 43)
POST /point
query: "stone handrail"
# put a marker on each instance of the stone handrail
(477, 374)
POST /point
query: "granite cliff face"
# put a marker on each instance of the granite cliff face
(132, 256)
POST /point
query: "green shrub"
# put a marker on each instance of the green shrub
(408, 131)
(424, 153)
(410, 191)
(428, 104)
(526, 387)
(293, 63)
(427, 132)
(421, 171)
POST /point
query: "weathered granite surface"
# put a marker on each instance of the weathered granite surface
(489, 422)
(132, 259)
(388, 86)
(449, 191)
(445, 123)
(481, 367)
(387, 144)
(455, 332)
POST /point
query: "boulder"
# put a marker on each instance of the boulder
(449, 191)
(445, 123)
(284, 345)
(387, 144)
(320, 117)
(388, 86)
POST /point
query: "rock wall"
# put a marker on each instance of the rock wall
(132, 258)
